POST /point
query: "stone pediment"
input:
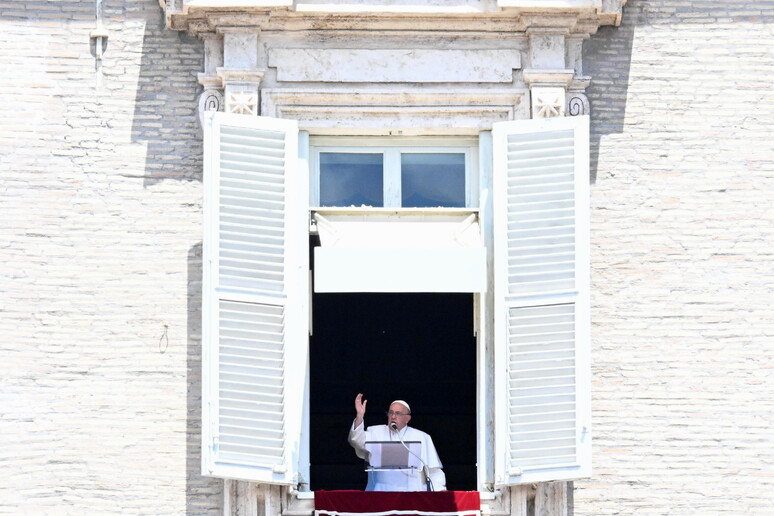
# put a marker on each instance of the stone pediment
(209, 16)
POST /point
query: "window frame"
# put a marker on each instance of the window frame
(492, 468)
(391, 148)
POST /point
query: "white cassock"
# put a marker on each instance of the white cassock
(399, 480)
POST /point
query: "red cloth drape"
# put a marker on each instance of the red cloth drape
(382, 503)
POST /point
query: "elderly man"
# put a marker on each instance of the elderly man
(396, 429)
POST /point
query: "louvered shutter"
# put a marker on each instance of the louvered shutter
(255, 291)
(541, 290)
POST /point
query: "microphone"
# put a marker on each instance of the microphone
(394, 425)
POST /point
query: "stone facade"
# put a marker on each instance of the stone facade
(682, 297)
(101, 231)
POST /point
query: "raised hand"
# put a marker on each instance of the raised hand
(360, 409)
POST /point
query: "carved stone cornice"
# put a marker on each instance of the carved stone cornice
(579, 83)
(395, 112)
(554, 78)
(255, 50)
(579, 16)
(239, 76)
(210, 80)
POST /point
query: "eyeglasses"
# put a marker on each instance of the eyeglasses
(391, 413)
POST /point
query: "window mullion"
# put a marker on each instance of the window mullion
(471, 178)
(392, 190)
(314, 178)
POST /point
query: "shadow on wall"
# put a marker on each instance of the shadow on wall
(165, 120)
(607, 55)
(203, 495)
(607, 58)
(166, 107)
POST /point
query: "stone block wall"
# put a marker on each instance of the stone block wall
(100, 247)
(682, 256)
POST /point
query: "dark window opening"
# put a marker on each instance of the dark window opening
(416, 347)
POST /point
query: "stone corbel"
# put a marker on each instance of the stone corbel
(211, 98)
(577, 101)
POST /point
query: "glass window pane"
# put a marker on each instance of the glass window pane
(433, 180)
(351, 179)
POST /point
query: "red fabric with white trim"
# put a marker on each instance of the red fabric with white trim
(382, 503)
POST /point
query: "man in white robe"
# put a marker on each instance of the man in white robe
(397, 429)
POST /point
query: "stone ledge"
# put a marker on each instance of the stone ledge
(395, 112)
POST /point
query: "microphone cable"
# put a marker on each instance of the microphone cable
(425, 469)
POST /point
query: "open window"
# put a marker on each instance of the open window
(398, 265)
(415, 346)
(256, 314)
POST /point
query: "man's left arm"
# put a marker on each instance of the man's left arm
(434, 466)
(438, 479)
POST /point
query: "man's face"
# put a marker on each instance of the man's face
(399, 415)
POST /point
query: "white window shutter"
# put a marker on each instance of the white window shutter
(255, 295)
(541, 288)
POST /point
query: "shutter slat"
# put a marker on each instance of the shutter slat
(268, 450)
(242, 410)
(233, 352)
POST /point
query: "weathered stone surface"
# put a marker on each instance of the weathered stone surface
(380, 65)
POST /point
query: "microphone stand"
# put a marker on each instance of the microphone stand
(425, 469)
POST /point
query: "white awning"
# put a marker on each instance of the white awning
(380, 250)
